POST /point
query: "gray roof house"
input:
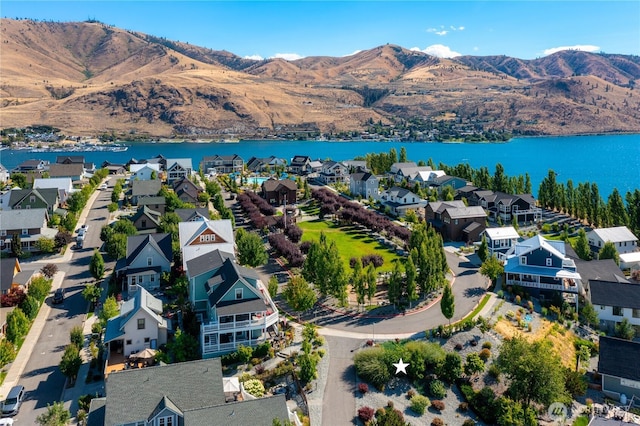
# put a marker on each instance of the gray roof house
(364, 184)
(139, 325)
(200, 237)
(620, 236)
(75, 171)
(178, 168)
(63, 185)
(144, 188)
(186, 393)
(148, 256)
(37, 198)
(29, 224)
(190, 215)
(146, 220)
(400, 200)
(222, 164)
(618, 364)
(614, 301)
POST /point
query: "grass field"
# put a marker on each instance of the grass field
(350, 242)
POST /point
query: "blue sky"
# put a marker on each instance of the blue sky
(293, 29)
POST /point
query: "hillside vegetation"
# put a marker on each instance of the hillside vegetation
(88, 78)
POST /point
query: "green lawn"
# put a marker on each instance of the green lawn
(350, 242)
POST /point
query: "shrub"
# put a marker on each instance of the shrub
(254, 387)
(366, 414)
(244, 353)
(486, 345)
(410, 393)
(437, 389)
(259, 368)
(463, 407)
(494, 372)
(7, 352)
(458, 347)
(76, 336)
(437, 422)
(363, 388)
(468, 422)
(485, 354)
(371, 366)
(49, 270)
(419, 404)
(437, 405)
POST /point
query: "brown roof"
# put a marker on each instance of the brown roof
(66, 170)
(274, 185)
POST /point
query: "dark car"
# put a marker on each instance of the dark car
(58, 296)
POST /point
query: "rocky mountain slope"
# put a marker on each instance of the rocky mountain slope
(88, 78)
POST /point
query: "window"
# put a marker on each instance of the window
(165, 421)
(617, 311)
(238, 293)
(549, 261)
(25, 232)
(523, 260)
(149, 261)
(152, 278)
(128, 342)
(32, 199)
(140, 323)
(635, 313)
(133, 280)
(3, 233)
(144, 223)
(147, 339)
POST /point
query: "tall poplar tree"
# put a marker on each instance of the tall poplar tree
(410, 272)
(394, 288)
(582, 245)
(447, 303)
(617, 211)
(96, 265)
(371, 282)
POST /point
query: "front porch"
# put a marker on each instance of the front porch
(231, 331)
(567, 285)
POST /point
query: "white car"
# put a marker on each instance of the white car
(83, 230)
(103, 187)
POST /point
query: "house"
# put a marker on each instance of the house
(300, 165)
(356, 166)
(500, 240)
(76, 159)
(114, 168)
(178, 168)
(234, 304)
(4, 174)
(455, 221)
(186, 393)
(364, 184)
(266, 164)
(146, 220)
(29, 225)
(278, 192)
(12, 277)
(187, 191)
(630, 261)
(406, 170)
(158, 159)
(426, 178)
(148, 256)
(144, 171)
(466, 192)
(615, 301)
(156, 203)
(144, 188)
(40, 198)
(63, 185)
(139, 326)
(400, 201)
(200, 237)
(522, 207)
(541, 264)
(620, 236)
(190, 215)
(333, 172)
(32, 166)
(74, 171)
(618, 364)
(222, 164)
(452, 181)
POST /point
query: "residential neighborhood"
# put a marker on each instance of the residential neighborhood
(232, 283)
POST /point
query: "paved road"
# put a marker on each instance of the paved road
(41, 377)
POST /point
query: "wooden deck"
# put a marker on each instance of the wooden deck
(119, 362)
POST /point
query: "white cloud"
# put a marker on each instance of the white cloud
(439, 50)
(476, 48)
(580, 47)
(254, 57)
(441, 31)
(288, 56)
(453, 28)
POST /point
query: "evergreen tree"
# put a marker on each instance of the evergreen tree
(299, 294)
(251, 250)
(371, 279)
(16, 246)
(595, 203)
(403, 155)
(447, 303)
(394, 291)
(96, 265)
(357, 281)
(527, 183)
(56, 415)
(608, 251)
(582, 245)
(410, 272)
(70, 362)
(616, 209)
(483, 250)
(633, 210)
(500, 180)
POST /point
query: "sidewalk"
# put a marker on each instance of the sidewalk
(15, 369)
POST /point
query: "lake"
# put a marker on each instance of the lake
(609, 160)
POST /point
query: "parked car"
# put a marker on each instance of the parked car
(58, 296)
(102, 187)
(12, 404)
(83, 229)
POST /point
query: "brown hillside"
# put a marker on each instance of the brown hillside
(88, 78)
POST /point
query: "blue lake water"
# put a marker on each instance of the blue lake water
(609, 160)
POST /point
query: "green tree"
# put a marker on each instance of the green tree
(299, 294)
(76, 336)
(608, 251)
(109, 310)
(272, 286)
(500, 180)
(7, 352)
(183, 347)
(583, 355)
(56, 415)
(616, 209)
(394, 287)
(40, 288)
(403, 155)
(474, 364)
(17, 325)
(624, 330)
(450, 368)
(96, 265)
(371, 280)
(589, 315)
(30, 306)
(46, 245)
(19, 180)
(91, 293)
(116, 245)
(447, 303)
(112, 207)
(251, 250)
(492, 268)
(582, 245)
(71, 362)
(307, 362)
(410, 273)
(16, 246)
(483, 250)
(536, 373)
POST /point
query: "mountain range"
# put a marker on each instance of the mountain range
(87, 78)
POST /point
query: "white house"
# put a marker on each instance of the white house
(630, 261)
(333, 172)
(63, 185)
(500, 240)
(620, 236)
(203, 236)
(400, 201)
(620, 370)
(364, 184)
(146, 171)
(4, 173)
(614, 301)
(139, 325)
(148, 256)
(178, 168)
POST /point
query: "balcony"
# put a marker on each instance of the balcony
(263, 322)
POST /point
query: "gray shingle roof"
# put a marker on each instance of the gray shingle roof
(160, 242)
(132, 395)
(619, 358)
(23, 219)
(230, 272)
(187, 215)
(257, 412)
(609, 293)
(48, 195)
(274, 184)
(207, 262)
(66, 170)
(145, 187)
